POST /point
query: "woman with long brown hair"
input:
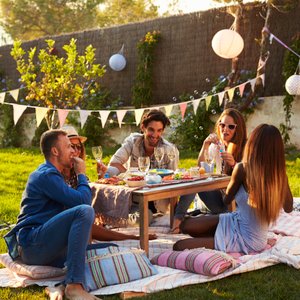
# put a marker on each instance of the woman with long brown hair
(260, 187)
(230, 131)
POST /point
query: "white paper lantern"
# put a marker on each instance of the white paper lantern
(227, 43)
(292, 85)
(117, 62)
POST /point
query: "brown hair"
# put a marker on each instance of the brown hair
(155, 115)
(265, 172)
(49, 139)
(237, 144)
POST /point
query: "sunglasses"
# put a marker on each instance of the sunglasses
(229, 126)
(76, 147)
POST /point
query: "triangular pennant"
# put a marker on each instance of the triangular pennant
(62, 115)
(120, 116)
(40, 113)
(168, 110)
(15, 94)
(104, 115)
(241, 89)
(262, 76)
(83, 114)
(207, 101)
(230, 94)
(195, 105)
(252, 82)
(2, 97)
(221, 96)
(18, 111)
(138, 115)
(183, 107)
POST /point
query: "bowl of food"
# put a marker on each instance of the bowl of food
(135, 181)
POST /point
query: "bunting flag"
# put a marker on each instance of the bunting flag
(2, 97)
(84, 114)
(230, 93)
(138, 115)
(195, 105)
(18, 111)
(241, 89)
(253, 82)
(15, 94)
(183, 107)
(40, 113)
(62, 115)
(120, 116)
(168, 110)
(207, 101)
(104, 115)
(221, 97)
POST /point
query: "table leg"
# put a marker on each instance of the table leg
(173, 202)
(144, 222)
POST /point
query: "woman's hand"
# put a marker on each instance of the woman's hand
(212, 138)
(228, 158)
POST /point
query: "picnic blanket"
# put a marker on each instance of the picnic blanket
(286, 250)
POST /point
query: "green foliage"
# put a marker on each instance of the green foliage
(142, 89)
(31, 19)
(126, 11)
(57, 82)
(289, 67)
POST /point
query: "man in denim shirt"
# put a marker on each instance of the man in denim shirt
(55, 220)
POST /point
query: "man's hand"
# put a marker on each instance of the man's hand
(79, 165)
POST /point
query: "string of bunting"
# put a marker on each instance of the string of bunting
(18, 109)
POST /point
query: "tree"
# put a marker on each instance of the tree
(57, 82)
(31, 19)
(126, 11)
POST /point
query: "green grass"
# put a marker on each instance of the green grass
(277, 282)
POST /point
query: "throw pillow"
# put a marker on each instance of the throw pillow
(201, 260)
(115, 265)
(35, 272)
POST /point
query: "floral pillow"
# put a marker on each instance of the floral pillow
(35, 272)
(201, 261)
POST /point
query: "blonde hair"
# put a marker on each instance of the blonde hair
(265, 172)
(238, 142)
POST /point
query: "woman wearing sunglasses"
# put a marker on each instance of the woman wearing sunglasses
(260, 187)
(230, 131)
(98, 231)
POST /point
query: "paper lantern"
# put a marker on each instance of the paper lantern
(292, 85)
(117, 62)
(227, 43)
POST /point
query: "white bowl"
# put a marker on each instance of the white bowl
(132, 183)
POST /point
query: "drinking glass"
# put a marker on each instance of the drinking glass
(144, 164)
(209, 160)
(159, 153)
(97, 153)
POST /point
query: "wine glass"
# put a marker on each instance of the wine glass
(171, 153)
(209, 160)
(144, 164)
(97, 153)
(159, 153)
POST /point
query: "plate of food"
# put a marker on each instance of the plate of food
(135, 181)
(162, 172)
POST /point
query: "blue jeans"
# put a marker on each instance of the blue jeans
(212, 202)
(62, 239)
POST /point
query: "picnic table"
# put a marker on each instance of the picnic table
(115, 201)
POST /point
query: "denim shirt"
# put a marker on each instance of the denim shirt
(46, 194)
(133, 147)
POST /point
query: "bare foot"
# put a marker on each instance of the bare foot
(175, 228)
(56, 292)
(75, 291)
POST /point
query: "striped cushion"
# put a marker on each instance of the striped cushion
(202, 261)
(114, 265)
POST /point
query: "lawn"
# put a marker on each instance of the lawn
(277, 282)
